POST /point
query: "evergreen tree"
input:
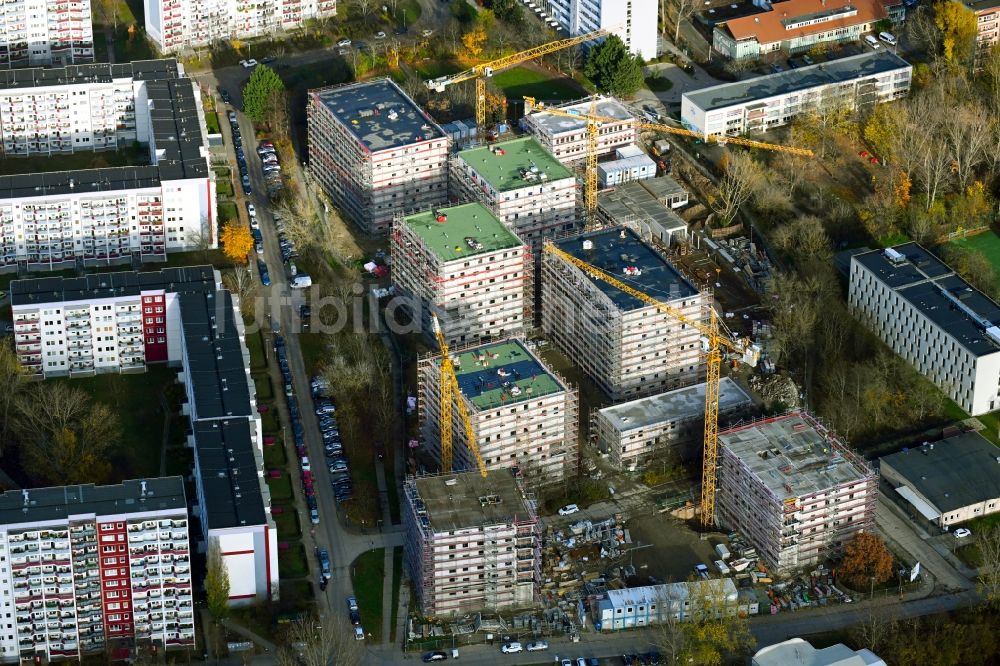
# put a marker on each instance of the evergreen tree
(263, 85)
(613, 69)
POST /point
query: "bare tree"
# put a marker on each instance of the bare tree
(876, 627)
(805, 237)
(988, 540)
(740, 178)
(683, 9)
(241, 282)
(968, 134)
(320, 640)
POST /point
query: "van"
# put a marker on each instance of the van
(872, 42)
(888, 38)
(301, 281)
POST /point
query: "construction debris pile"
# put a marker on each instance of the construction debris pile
(776, 388)
(816, 590)
(747, 259)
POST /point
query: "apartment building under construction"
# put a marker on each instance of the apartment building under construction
(566, 138)
(793, 489)
(522, 183)
(523, 414)
(630, 349)
(375, 152)
(471, 543)
(463, 264)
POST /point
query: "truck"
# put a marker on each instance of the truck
(723, 552)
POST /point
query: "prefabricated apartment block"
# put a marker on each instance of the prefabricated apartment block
(987, 26)
(632, 20)
(668, 425)
(946, 329)
(526, 188)
(39, 33)
(464, 265)
(763, 102)
(522, 413)
(104, 215)
(566, 138)
(471, 543)
(174, 25)
(86, 570)
(630, 349)
(794, 490)
(121, 322)
(376, 153)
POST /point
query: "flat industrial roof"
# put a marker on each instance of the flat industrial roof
(466, 500)
(39, 291)
(465, 227)
(38, 505)
(502, 373)
(792, 457)
(669, 592)
(679, 404)
(637, 200)
(958, 471)
(511, 165)
(740, 93)
(230, 478)
(615, 249)
(931, 287)
(379, 114)
(554, 125)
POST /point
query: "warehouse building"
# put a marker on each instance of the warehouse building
(91, 570)
(376, 153)
(58, 219)
(526, 188)
(946, 329)
(522, 413)
(173, 25)
(472, 543)
(632, 20)
(41, 33)
(948, 482)
(566, 138)
(794, 490)
(464, 265)
(664, 426)
(772, 100)
(630, 349)
(635, 607)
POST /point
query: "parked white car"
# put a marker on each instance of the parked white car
(962, 533)
(248, 64)
(568, 510)
(536, 646)
(511, 648)
(344, 42)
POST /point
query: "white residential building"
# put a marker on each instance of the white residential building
(566, 138)
(174, 25)
(104, 215)
(376, 153)
(37, 33)
(94, 570)
(632, 20)
(946, 329)
(763, 102)
(525, 187)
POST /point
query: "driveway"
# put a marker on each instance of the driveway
(682, 81)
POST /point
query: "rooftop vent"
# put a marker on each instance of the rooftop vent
(895, 258)
(451, 482)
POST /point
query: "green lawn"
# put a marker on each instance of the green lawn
(397, 579)
(314, 351)
(223, 188)
(987, 242)
(367, 575)
(991, 421)
(212, 122)
(522, 81)
(659, 83)
(227, 211)
(263, 385)
(281, 488)
(255, 344)
(292, 562)
(407, 12)
(269, 423)
(274, 456)
(288, 525)
(432, 69)
(135, 155)
(970, 555)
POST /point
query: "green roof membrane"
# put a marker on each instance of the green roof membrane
(506, 165)
(502, 374)
(466, 231)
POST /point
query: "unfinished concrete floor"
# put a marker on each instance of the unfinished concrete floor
(676, 548)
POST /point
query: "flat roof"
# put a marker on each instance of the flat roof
(626, 163)
(183, 279)
(958, 471)
(551, 125)
(502, 373)
(467, 500)
(799, 652)
(669, 592)
(511, 165)
(379, 114)
(64, 502)
(617, 248)
(930, 286)
(982, 5)
(739, 93)
(682, 403)
(797, 18)
(662, 187)
(792, 457)
(468, 230)
(230, 479)
(175, 127)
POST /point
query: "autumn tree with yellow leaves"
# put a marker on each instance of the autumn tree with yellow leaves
(236, 241)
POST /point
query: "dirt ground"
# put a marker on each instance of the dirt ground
(676, 548)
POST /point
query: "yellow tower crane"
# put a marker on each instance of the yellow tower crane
(716, 340)
(592, 121)
(449, 391)
(485, 70)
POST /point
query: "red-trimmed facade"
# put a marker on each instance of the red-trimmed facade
(116, 584)
(154, 326)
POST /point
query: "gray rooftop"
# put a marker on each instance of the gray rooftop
(379, 114)
(680, 404)
(229, 476)
(38, 291)
(616, 248)
(175, 128)
(931, 287)
(792, 456)
(725, 95)
(958, 471)
(459, 501)
(63, 502)
(553, 125)
(636, 200)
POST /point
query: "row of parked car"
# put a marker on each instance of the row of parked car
(241, 158)
(270, 167)
(333, 446)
